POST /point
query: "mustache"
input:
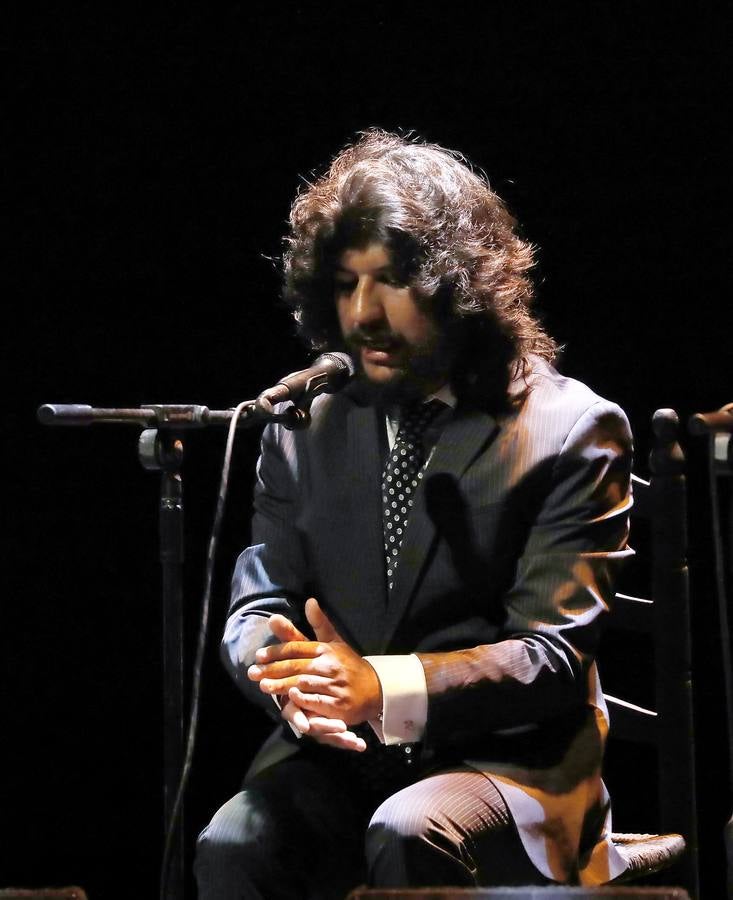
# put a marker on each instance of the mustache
(374, 340)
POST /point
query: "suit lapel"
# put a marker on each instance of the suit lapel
(462, 439)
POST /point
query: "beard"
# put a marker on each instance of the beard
(422, 368)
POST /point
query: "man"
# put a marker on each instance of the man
(430, 565)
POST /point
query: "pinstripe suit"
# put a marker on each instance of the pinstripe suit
(501, 590)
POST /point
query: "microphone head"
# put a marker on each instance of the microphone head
(329, 373)
(343, 362)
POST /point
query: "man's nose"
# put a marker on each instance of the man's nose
(366, 305)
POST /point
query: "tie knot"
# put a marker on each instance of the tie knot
(415, 417)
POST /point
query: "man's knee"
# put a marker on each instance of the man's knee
(235, 842)
(407, 836)
(400, 818)
(435, 829)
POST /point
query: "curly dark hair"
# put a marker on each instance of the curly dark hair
(450, 237)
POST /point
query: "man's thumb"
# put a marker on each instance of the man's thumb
(284, 630)
(320, 622)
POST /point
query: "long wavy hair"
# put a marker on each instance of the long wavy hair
(450, 237)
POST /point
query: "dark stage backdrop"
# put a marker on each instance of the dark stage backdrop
(154, 153)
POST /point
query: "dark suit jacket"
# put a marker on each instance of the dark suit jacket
(502, 587)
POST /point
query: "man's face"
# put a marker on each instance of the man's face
(397, 345)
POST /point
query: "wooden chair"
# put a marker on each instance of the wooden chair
(665, 617)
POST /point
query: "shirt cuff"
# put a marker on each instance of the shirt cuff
(404, 698)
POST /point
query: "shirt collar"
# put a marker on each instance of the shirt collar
(442, 395)
(445, 395)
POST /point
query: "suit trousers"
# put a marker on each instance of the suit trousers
(305, 828)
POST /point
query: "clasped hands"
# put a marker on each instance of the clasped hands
(324, 685)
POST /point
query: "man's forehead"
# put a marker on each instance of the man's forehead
(366, 259)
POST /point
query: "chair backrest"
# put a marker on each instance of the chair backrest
(665, 616)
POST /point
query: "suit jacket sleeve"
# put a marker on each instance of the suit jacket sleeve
(561, 591)
(270, 574)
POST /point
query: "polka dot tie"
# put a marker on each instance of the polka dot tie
(402, 474)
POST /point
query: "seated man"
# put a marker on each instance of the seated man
(431, 561)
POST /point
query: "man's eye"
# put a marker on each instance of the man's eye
(345, 286)
(392, 280)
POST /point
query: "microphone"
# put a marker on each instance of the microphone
(329, 373)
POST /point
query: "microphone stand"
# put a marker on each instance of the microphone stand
(160, 449)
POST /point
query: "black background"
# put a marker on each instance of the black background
(153, 155)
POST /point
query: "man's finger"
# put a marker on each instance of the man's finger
(296, 716)
(322, 725)
(313, 686)
(316, 684)
(284, 630)
(277, 685)
(289, 650)
(284, 668)
(315, 726)
(346, 741)
(319, 622)
(319, 703)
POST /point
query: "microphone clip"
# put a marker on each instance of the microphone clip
(295, 417)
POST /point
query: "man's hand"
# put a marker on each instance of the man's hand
(325, 678)
(332, 732)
